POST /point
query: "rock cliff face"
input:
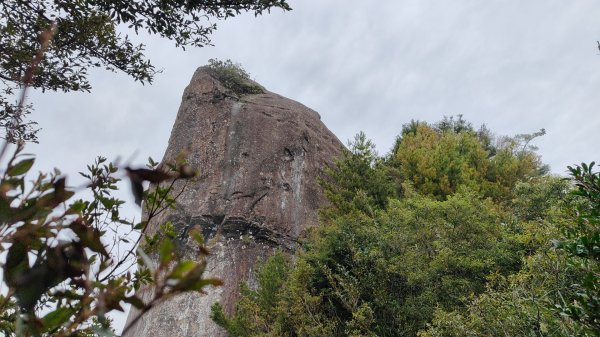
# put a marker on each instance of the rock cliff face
(259, 158)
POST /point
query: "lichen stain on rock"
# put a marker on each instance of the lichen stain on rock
(259, 158)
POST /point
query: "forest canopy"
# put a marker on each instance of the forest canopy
(455, 232)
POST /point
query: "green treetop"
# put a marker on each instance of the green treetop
(438, 159)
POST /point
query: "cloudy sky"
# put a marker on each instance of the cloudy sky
(515, 65)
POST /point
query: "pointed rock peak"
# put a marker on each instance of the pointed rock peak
(226, 77)
(260, 156)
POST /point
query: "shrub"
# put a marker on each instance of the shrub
(234, 77)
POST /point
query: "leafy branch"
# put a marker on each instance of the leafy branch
(64, 270)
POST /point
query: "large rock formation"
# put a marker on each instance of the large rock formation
(259, 156)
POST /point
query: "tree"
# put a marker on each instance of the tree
(405, 237)
(383, 275)
(88, 35)
(556, 293)
(581, 243)
(68, 262)
(521, 304)
(438, 159)
(478, 241)
(358, 181)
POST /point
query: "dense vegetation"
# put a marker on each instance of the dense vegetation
(234, 77)
(454, 233)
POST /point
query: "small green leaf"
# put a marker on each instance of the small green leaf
(16, 264)
(165, 251)
(5, 209)
(197, 236)
(181, 269)
(135, 301)
(21, 167)
(141, 225)
(56, 318)
(198, 285)
(89, 237)
(78, 206)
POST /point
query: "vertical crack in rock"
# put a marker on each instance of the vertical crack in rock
(259, 158)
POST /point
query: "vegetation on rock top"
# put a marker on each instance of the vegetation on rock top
(234, 77)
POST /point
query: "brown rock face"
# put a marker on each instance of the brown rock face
(259, 158)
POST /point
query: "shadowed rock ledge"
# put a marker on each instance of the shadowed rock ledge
(259, 158)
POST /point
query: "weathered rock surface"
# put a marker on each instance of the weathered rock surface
(259, 158)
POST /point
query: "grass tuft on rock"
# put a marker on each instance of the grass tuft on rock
(234, 77)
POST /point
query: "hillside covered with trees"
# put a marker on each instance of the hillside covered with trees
(455, 232)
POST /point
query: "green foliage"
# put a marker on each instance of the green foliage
(67, 260)
(88, 36)
(449, 235)
(437, 162)
(359, 181)
(257, 308)
(385, 276)
(234, 77)
(439, 159)
(556, 292)
(8, 316)
(539, 198)
(13, 118)
(582, 245)
(520, 305)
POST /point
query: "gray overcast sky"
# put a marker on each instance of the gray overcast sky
(515, 65)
